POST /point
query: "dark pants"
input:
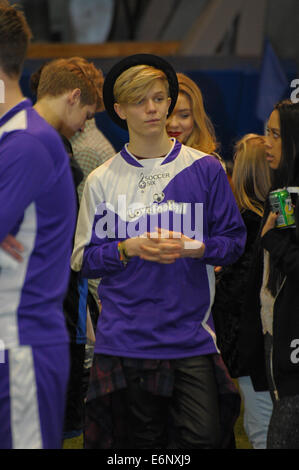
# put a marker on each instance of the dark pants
(187, 420)
(74, 413)
(283, 432)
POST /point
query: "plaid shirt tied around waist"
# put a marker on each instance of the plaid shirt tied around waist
(107, 375)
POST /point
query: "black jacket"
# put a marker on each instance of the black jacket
(73, 300)
(284, 251)
(229, 303)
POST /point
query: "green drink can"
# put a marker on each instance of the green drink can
(281, 202)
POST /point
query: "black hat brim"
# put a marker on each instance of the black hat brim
(127, 63)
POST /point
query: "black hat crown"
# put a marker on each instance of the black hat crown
(132, 61)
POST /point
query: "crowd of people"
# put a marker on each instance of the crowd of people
(143, 293)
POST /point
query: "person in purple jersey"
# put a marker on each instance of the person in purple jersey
(153, 222)
(38, 209)
(69, 92)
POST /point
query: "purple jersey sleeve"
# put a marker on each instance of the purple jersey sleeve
(93, 256)
(25, 169)
(226, 230)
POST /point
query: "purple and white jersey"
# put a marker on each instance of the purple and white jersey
(37, 206)
(152, 310)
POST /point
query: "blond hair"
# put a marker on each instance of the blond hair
(133, 84)
(62, 75)
(203, 135)
(251, 174)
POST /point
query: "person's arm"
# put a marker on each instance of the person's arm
(10, 253)
(226, 230)
(96, 257)
(96, 253)
(232, 280)
(25, 169)
(283, 251)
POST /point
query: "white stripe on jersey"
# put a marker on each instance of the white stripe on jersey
(12, 281)
(17, 122)
(25, 422)
(211, 279)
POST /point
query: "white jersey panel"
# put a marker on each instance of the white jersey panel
(25, 422)
(12, 280)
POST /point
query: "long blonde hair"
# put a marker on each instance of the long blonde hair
(203, 135)
(251, 173)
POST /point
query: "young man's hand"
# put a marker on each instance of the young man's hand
(164, 246)
(189, 248)
(149, 248)
(11, 245)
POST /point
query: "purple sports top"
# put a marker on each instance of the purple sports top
(152, 310)
(37, 206)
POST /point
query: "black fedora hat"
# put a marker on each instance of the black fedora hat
(127, 63)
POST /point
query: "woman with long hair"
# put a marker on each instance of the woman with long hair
(251, 176)
(189, 122)
(251, 183)
(190, 125)
(273, 296)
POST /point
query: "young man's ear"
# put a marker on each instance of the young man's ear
(120, 111)
(74, 96)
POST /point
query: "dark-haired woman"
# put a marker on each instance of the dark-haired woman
(251, 183)
(273, 313)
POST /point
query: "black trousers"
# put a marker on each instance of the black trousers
(74, 413)
(283, 432)
(187, 420)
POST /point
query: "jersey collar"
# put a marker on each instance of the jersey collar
(172, 154)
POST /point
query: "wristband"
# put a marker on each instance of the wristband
(123, 256)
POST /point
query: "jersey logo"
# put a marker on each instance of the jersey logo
(158, 197)
(151, 180)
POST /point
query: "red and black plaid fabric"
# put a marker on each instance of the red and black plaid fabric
(106, 420)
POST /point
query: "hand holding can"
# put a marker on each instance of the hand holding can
(281, 204)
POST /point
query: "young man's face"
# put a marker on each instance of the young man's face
(76, 117)
(148, 116)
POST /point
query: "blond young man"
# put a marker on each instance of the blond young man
(153, 221)
(38, 209)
